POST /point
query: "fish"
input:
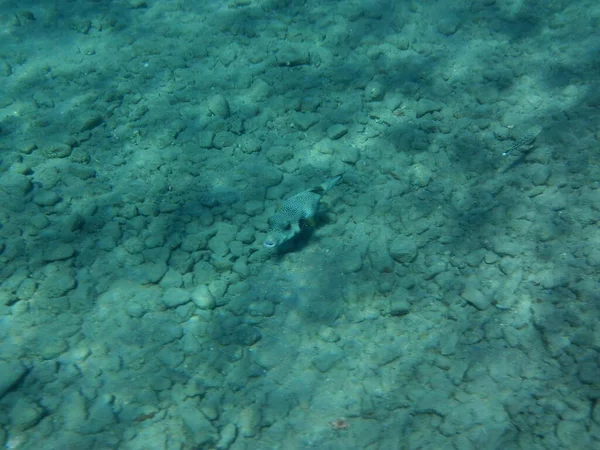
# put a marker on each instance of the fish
(296, 212)
(525, 140)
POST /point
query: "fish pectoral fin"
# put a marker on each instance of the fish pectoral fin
(308, 222)
(319, 190)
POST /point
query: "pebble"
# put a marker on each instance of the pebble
(57, 284)
(303, 121)
(448, 26)
(89, 121)
(198, 425)
(55, 151)
(228, 435)
(352, 261)
(336, 131)
(219, 106)
(425, 106)
(291, 56)
(349, 155)
(202, 298)
(475, 297)
(403, 250)
(25, 414)
(12, 372)
(58, 252)
(374, 91)
(174, 297)
(46, 198)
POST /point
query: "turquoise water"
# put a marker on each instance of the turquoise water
(443, 296)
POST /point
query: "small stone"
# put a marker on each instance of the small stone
(247, 335)
(56, 151)
(476, 298)
(249, 421)
(279, 154)
(399, 305)
(349, 155)
(57, 285)
(205, 139)
(200, 428)
(5, 68)
(352, 261)
(89, 121)
(58, 252)
(174, 297)
(223, 139)
(325, 361)
(202, 298)
(16, 183)
(218, 246)
(426, 107)
(25, 414)
(291, 56)
(228, 435)
(46, 198)
(403, 250)
(219, 106)
(12, 373)
(336, 131)
(448, 26)
(303, 121)
(374, 91)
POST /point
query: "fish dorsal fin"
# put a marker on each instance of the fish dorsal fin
(319, 190)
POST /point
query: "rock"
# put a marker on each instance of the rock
(403, 250)
(247, 335)
(46, 198)
(205, 139)
(336, 131)
(325, 361)
(58, 252)
(89, 121)
(218, 246)
(425, 106)
(149, 272)
(374, 91)
(448, 26)
(219, 106)
(199, 426)
(174, 297)
(16, 183)
(223, 139)
(279, 154)
(291, 56)
(228, 435)
(25, 414)
(100, 416)
(573, 434)
(303, 121)
(349, 155)
(249, 421)
(12, 373)
(399, 305)
(352, 261)
(55, 151)
(57, 284)
(202, 298)
(475, 297)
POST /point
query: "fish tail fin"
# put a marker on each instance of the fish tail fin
(323, 188)
(331, 182)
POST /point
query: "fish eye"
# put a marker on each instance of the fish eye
(287, 227)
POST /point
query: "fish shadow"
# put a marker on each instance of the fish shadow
(305, 237)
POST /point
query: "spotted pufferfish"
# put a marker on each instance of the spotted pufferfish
(296, 212)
